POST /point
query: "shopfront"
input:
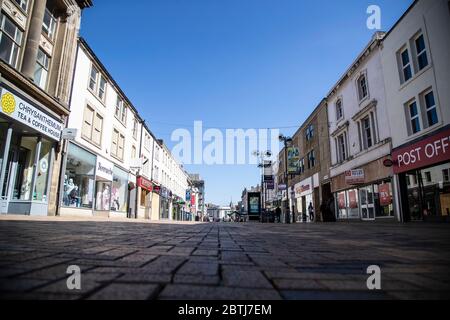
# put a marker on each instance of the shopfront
(28, 138)
(358, 197)
(145, 188)
(119, 192)
(423, 169)
(164, 204)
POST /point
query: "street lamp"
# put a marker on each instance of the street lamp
(262, 155)
(287, 142)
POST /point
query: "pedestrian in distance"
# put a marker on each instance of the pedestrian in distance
(311, 212)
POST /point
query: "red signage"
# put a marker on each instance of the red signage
(355, 176)
(385, 195)
(352, 199)
(145, 183)
(424, 153)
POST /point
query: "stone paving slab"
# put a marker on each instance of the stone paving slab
(138, 260)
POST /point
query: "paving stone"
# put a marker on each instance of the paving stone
(245, 279)
(196, 279)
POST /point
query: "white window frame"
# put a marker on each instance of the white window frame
(412, 118)
(49, 31)
(341, 108)
(341, 157)
(403, 67)
(16, 40)
(45, 69)
(89, 136)
(426, 109)
(359, 87)
(21, 3)
(97, 83)
(424, 51)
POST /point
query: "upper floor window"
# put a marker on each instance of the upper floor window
(430, 106)
(367, 133)
(49, 25)
(341, 147)
(41, 71)
(135, 128)
(121, 110)
(23, 4)
(10, 40)
(117, 144)
(406, 65)
(339, 110)
(421, 52)
(362, 87)
(309, 132)
(414, 117)
(97, 83)
(445, 175)
(311, 159)
(92, 127)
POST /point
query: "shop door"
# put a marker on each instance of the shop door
(8, 182)
(366, 197)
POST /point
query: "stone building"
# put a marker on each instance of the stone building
(38, 41)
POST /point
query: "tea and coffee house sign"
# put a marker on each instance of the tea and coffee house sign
(27, 114)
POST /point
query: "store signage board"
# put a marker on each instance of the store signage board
(355, 176)
(22, 111)
(293, 160)
(429, 151)
(282, 187)
(104, 169)
(69, 134)
(145, 183)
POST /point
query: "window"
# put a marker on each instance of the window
(119, 190)
(341, 147)
(10, 40)
(362, 87)
(421, 52)
(309, 132)
(302, 166)
(117, 144)
(121, 110)
(430, 106)
(41, 72)
(414, 117)
(135, 128)
(367, 140)
(445, 175)
(339, 111)
(49, 25)
(428, 176)
(79, 178)
(311, 159)
(97, 83)
(133, 152)
(23, 4)
(406, 65)
(92, 126)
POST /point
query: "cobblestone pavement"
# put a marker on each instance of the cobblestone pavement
(123, 260)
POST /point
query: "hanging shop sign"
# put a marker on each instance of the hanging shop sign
(145, 183)
(268, 178)
(157, 189)
(385, 195)
(282, 187)
(192, 199)
(22, 111)
(424, 153)
(270, 185)
(355, 176)
(105, 169)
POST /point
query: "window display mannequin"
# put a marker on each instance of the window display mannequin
(115, 204)
(106, 197)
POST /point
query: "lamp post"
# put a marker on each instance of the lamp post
(262, 156)
(287, 141)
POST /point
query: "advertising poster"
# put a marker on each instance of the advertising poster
(385, 195)
(293, 160)
(341, 200)
(352, 199)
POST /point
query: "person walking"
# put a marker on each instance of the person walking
(278, 214)
(311, 212)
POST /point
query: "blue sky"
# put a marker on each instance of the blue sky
(229, 63)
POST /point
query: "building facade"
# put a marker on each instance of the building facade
(38, 41)
(360, 140)
(415, 58)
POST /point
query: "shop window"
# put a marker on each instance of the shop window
(10, 40)
(26, 156)
(383, 199)
(143, 197)
(428, 176)
(79, 178)
(40, 190)
(119, 191)
(103, 198)
(445, 175)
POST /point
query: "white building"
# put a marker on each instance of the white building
(415, 57)
(97, 162)
(360, 139)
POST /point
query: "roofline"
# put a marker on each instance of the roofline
(401, 18)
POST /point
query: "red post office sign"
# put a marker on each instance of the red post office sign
(424, 153)
(145, 183)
